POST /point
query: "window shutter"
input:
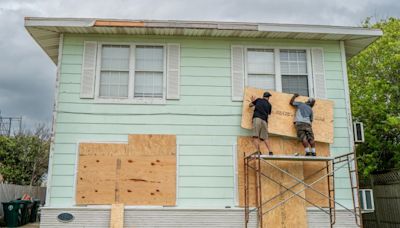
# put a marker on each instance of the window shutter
(317, 56)
(237, 68)
(88, 69)
(173, 71)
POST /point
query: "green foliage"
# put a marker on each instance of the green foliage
(374, 78)
(24, 157)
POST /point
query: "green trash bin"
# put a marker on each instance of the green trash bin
(25, 209)
(12, 214)
(35, 209)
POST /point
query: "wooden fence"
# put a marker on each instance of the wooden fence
(386, 192)
(10, 192)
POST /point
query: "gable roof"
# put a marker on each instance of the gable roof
(46, 31)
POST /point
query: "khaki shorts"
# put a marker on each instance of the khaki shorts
(304, 130)
(260, 129)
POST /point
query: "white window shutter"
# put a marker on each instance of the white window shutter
(88, 69)
(237, 68)
(173, 71)
(317, 56)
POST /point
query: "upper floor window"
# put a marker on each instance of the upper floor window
(261, 68)
(292, 65)
(294, 71)
(149, 71)
(131, 71)
(114, 71)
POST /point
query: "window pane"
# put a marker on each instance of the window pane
(293, 62)
(295, 84)
(260, 61)
(149, 58)
(368, 199)
(115, 57)
(360, 196)
(114, 84)
(148, 84)
(266, 82)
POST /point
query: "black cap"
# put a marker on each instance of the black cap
(267, 94)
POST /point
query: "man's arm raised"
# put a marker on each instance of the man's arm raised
(252, 98)
(293, 98)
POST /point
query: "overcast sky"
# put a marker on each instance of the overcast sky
(27, 75)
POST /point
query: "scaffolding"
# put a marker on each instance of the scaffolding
(332, 165)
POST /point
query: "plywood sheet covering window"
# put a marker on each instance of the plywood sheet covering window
(97, 172)
(292, 213)
(142, 172)
(281, 120)
(152, 145)
(148, 180)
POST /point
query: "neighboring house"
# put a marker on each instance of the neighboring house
(184, 78)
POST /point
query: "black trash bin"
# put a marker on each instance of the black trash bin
(12, 214)
(35, 209)
(25, 209)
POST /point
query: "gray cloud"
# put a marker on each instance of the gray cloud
(27, 75)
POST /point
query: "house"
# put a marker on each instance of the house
(167, 96)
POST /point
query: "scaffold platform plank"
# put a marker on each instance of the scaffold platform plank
(293, 157)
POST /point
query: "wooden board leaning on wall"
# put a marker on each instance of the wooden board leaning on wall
(142, 172)
(280, 122)
(290, 214)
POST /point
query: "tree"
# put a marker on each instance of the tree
(24, 157)
(374, 79)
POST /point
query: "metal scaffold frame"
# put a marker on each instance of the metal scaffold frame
(332, 165)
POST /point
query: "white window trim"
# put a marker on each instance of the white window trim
(278, 75)
(130, 99)
(364, 200)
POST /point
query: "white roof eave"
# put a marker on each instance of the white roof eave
(355, 38)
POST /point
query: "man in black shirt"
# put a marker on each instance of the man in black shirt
(260, 120)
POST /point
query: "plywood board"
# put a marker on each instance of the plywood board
(244, 148)
(117, 216)
(293, 213)
(314, 171)
(148, 180)
(96, 180)
(102, 149)
(281, 120)
(144, 145)
(142, 172)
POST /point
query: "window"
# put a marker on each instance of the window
(149, 67)
(366, 199)
(261, 69)
(293, 74)
(114, 71)
(294, 71)
(131, 72)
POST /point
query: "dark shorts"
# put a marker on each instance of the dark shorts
(304, 130)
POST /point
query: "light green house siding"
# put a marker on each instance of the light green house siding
(205, 119)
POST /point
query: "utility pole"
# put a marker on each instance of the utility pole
(8, 125)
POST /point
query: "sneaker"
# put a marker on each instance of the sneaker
(271, 153)
(308, 154)
(313, 154)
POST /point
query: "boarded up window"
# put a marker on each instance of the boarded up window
(126, 173)
(293, 212)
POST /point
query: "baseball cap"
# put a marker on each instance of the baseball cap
(310, 100)
(267, 94)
